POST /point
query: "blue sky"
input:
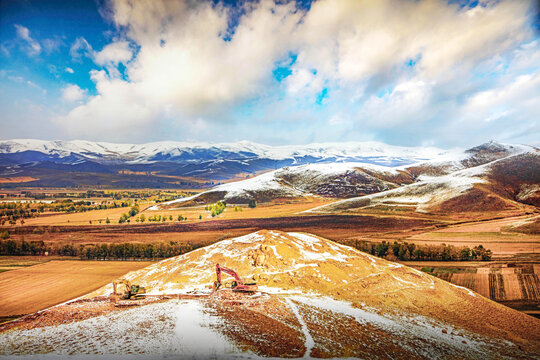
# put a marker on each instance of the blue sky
(460, 73)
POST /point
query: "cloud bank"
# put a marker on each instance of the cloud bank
(404, 72)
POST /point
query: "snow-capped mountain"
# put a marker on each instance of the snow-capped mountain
(182, 152)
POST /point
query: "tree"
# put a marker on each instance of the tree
(252, 203)
(142, 218)
(390, 254)
(200, 217)
(107, 221)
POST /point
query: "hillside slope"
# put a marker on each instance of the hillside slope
(503, 184)
(491, 176)
(337, 180)
(317, 299)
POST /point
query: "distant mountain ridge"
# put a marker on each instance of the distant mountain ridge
(195, 165)
(183, 152)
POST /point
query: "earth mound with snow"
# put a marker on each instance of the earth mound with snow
(316, 299)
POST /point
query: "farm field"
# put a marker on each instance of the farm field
(81, 218)
(37, 287)
(513, 283)
(339, 228)
(287, 208)
(191, 214)
(491, 234)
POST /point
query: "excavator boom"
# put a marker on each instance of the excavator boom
(237, 285)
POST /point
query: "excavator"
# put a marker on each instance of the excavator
(237, 284)
(127, 291)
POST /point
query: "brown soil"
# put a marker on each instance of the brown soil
(263, 325)
(37, 287)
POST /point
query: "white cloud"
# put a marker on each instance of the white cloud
(353, 41)
(16, 79)
(517, 96)
(390, 63)
(115, 111)
(52, 45)
(80, 48)
(32, 47)
(73, 93)
(183, 62)
(114, 53)
(404, 105)
(69, 70)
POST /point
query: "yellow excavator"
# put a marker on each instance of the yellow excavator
(126, 291)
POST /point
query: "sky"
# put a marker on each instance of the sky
(402, 72)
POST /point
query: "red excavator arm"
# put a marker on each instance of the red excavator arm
(237, 285)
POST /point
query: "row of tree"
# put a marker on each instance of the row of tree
(105, 251)
(410, 251)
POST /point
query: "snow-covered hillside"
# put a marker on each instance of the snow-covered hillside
(476, 188)
(424, 184)
(316, 299)
(338, 180)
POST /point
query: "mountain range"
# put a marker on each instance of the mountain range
(369, 174)
(178, 164)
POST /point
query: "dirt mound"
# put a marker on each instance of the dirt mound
(309, 264)
(317, 299)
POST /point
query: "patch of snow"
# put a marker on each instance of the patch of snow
(309, 343)
(195, 334)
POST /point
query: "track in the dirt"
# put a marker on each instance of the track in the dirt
(365, 223)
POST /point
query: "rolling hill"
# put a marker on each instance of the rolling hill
(502, 184)
(487, 177)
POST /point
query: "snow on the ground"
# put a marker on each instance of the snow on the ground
(274, 180)
(309, 343)
(162, 330)
(427, 191)
(417, 329)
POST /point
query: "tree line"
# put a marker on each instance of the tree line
(410, 251)
(105, 251)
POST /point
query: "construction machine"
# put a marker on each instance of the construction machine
(125, 290)
(237, 284)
